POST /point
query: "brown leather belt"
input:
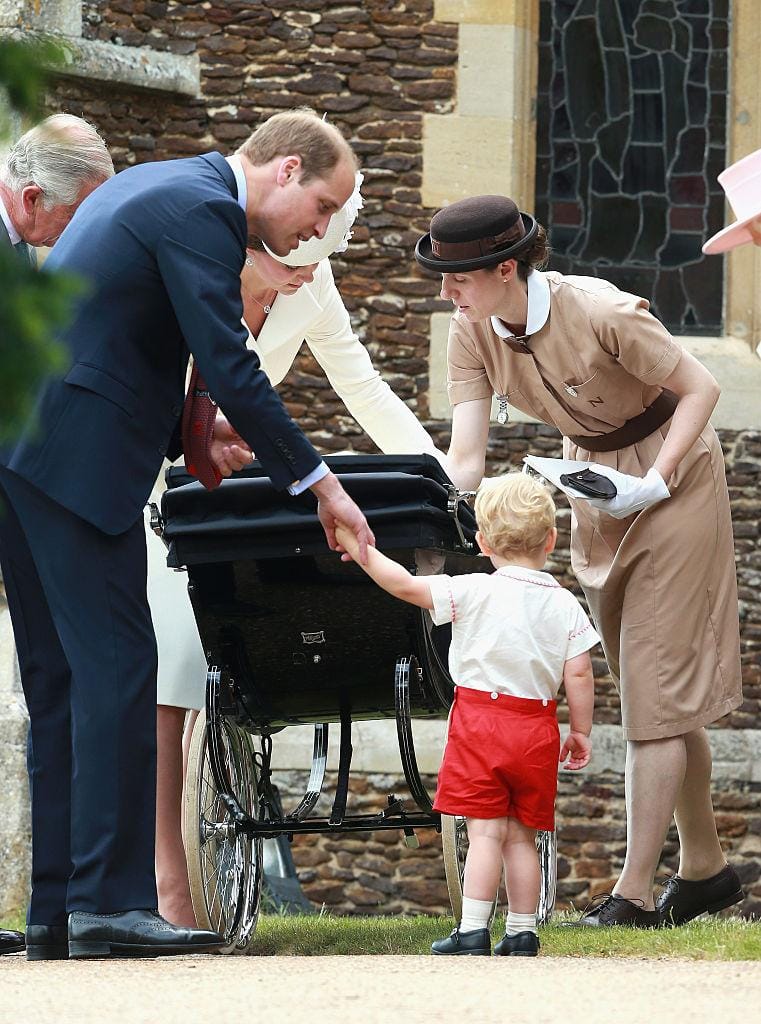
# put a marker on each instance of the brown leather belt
(634, 430)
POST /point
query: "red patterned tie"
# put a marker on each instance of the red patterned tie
(198, 416)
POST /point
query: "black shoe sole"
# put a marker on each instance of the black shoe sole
(51, 952)
(711, 908)
(90, 950)
(10, 952)
(520, 952)
(463, 952)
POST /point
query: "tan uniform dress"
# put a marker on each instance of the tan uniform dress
(660, 584)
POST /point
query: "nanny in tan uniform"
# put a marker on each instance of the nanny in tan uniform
(659, 572)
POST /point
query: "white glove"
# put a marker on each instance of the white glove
(635, 493)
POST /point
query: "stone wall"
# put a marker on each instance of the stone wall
(375, 873)
(14, 805)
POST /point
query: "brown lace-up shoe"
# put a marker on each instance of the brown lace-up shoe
(615, 911)
(682, 899)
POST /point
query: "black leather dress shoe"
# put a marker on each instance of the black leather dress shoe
(615, 911)
(682, 899)
(10, 942)
(522, 944)
(459, 943)
(134, 933)
(47, 942)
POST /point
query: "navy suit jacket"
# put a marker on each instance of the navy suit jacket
(160, 248)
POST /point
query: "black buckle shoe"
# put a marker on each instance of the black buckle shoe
(683, 899)
(616, 911)
(10, 941)
(47, 942)
(134, 933)
(522, 944)
(459, 943)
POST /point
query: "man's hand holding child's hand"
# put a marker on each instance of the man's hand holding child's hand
(347, 542)
(576, 751)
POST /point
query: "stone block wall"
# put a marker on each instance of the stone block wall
(14, 805)
(375, 873)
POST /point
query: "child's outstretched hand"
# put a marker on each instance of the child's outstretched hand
(576, 751)
(347, 543)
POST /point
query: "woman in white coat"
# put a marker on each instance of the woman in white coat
(286, 301)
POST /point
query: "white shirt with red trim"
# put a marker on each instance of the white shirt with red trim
(512, 631)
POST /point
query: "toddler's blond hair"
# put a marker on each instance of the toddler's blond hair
(514, 512)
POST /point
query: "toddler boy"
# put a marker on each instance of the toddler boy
(517, 635)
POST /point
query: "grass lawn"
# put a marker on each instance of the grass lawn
(326, 935)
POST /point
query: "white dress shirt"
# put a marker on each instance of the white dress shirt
(14, 236)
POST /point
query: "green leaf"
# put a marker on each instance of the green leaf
(24, 71)
(33, 307)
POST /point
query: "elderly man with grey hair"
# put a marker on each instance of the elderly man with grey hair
(48, 172)
(43, 179)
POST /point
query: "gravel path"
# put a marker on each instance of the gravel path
(371, 990)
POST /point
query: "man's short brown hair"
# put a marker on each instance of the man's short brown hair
(299, 133)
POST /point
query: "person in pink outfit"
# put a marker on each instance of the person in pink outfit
(742, 183)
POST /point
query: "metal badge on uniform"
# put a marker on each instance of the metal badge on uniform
(570, 387)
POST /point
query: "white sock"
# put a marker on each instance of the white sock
(516, 923)
(475, 914)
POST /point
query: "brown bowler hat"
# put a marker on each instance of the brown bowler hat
(475, 233)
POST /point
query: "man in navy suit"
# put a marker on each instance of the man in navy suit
(45, 175)
(160, 247)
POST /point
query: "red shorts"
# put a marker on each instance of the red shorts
(501, 759)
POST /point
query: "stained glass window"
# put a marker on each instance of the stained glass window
(631, 130)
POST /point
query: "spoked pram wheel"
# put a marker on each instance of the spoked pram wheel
(454, 841)
(224, 865)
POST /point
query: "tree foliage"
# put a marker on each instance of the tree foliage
(33, 306)
(24, 70)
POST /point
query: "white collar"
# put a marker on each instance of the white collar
(240, 180)
(526, 575)
(14, 236)
(538, 310)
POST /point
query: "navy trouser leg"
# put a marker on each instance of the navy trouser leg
(94, 586)
(46, 678)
